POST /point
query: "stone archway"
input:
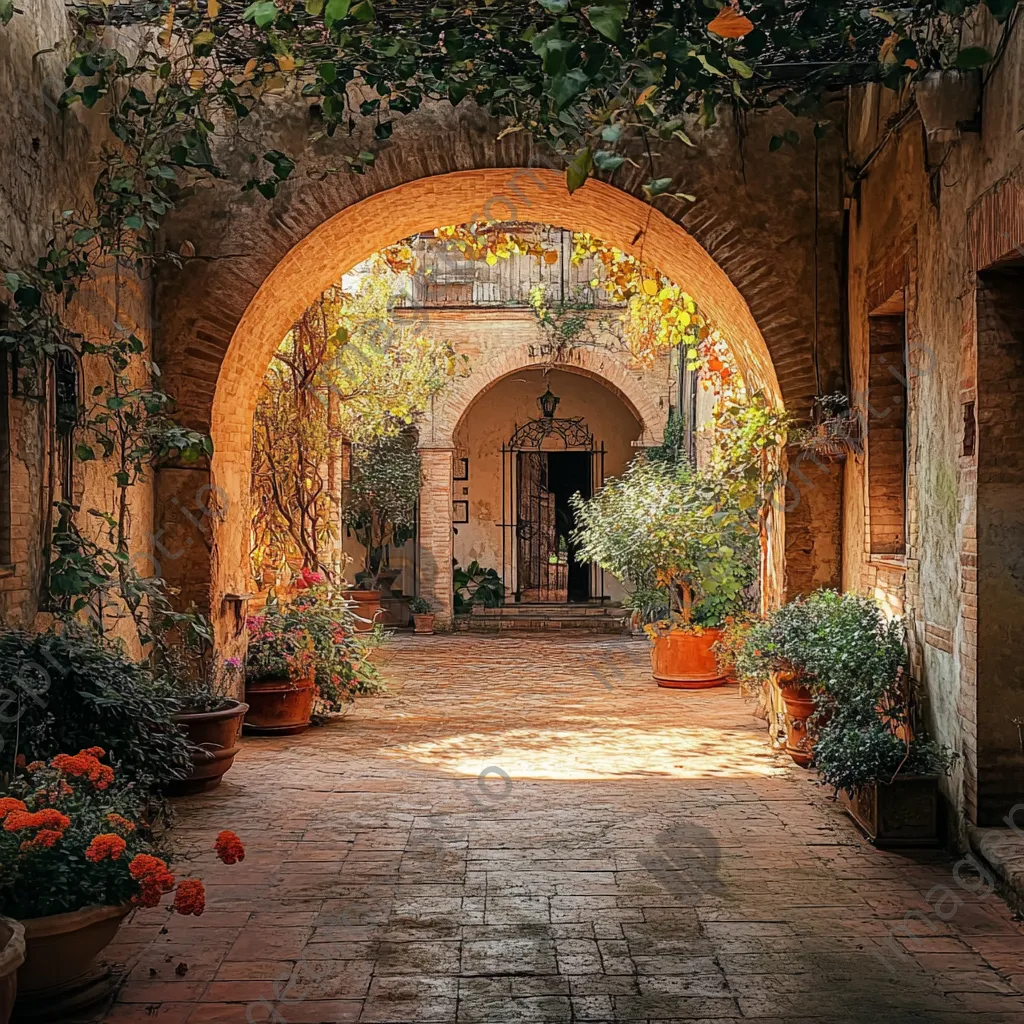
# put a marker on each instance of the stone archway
(217, 383)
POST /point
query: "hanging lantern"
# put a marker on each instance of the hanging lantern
(548, 404)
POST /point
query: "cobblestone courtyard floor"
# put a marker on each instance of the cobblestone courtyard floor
(528, 829)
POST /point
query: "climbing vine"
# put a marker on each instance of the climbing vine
(602, 85)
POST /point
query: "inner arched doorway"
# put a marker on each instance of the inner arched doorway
(517, 468)
(353, 234)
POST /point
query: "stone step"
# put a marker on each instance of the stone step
(580, 626)
(547, 611)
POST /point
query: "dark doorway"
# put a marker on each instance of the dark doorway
(548, 571)
(1000, 558)
(569, 473)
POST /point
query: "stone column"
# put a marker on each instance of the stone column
(435, 536)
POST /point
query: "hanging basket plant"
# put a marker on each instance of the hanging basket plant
(836, 431)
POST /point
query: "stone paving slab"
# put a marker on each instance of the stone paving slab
(524, 829)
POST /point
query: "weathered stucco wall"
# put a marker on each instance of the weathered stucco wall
(50, 163)
(925, 220)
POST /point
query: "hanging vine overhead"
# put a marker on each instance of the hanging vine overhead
(599, 84)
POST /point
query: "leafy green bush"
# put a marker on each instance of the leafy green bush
(663, 526)
(476, 585)
(73, 690)
(855, 661)
(420, 606)
(843, 641)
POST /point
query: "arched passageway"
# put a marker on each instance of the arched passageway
(341, 241)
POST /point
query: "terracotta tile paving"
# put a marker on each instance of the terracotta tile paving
(528, 829)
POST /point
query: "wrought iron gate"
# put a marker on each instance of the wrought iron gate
(532, 567)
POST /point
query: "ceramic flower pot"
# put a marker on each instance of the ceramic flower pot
(423, 622)
(685, 661)
(367, 609)
(59, 953)
(280, 707)
(800, 707)
(217, 736)
(12, 956)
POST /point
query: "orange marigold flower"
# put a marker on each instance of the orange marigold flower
(229, 847)
(120, 822)
(10, 803)
(35, 766)
(145, 864)
(153, 877)
(95, 751)
(47, 818)
(104, 846)
(44, 839)
(190, 897)
(85, 765)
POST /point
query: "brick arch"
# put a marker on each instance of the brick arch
(602, 366)
(343, 240)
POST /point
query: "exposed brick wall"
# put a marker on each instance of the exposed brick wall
(435, 533)
(887, 435)
(998, 565)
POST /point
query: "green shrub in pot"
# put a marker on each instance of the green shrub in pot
(72, 689)
(854, 659)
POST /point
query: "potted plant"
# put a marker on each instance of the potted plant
(422, 615)
(662, 522)
(12, 956)
(88, 692)
(279, 673)
(209, 716)
(476, 587)
(212, 720)
(777, 652)
(74, 861)
(380, 508)
(341, 663)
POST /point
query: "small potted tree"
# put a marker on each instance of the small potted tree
(280, 667)
(422, 615)
(687, 531)
(76, 860)
(380, 508)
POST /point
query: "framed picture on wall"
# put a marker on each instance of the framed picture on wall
(461, 471)
(460, 511)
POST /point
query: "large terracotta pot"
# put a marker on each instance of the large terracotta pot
(279, 707)
(12, 956)
(800, 707)
(59, 952)
(218, 736)
(367, 608)
(685, 661)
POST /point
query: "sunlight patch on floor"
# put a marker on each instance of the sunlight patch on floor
(598, 753)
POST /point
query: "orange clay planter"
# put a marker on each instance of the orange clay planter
(279, 707)
(12, 956)
(368, 610)
(800, 707)
(685, 661)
